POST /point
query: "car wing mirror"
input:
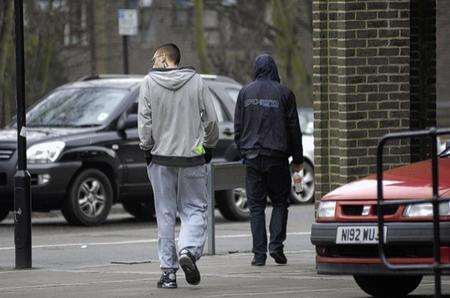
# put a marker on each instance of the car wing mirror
(130, 121)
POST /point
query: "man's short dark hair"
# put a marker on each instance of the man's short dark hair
(171, 51)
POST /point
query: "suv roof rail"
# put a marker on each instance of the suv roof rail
(106, 76)
(209, 76)
(125, 76)
(217, 78)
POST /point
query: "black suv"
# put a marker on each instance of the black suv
(83, 152)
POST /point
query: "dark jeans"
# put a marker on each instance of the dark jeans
(268, 176)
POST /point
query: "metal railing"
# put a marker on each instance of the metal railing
(221, 176)
(437, 266)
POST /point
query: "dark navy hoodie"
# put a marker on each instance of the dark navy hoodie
(266, 120)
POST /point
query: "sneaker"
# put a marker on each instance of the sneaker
(279, 257)
(168, 280)
(187, 263)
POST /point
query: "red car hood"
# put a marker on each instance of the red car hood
(407, 182)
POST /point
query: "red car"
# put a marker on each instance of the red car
(346, 235)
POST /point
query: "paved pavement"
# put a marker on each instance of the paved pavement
(118, 259)
(222, 276)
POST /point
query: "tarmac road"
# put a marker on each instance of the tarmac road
(119, 259)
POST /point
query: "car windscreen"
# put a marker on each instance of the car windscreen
(233, 93)
(76, 107)
(445, 153)
(306, 118)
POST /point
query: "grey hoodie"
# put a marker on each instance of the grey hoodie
(176, 117)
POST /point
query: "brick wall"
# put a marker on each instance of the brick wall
(361, 74)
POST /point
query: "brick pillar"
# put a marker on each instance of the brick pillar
(423, 73)
(361, 77)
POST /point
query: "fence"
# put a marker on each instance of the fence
(437, 266)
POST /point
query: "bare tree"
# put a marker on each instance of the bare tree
(200, 36)
(278, 27)
(6, 55)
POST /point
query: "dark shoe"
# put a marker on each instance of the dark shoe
(168, 280)
(279, 257)
(187, 263)
(256, 262)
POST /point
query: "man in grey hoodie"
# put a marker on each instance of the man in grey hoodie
(178, 130)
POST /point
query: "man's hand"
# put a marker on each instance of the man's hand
(148, 157)
(208, 154)
(297, 167)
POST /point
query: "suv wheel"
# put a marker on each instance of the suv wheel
(3, 213)
(307, 195)
(141, 210)
(89, 199)
(233, 204)
(388, 285)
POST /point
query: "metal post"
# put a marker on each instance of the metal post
(436, 228)
(380, 199)
(125, 54)
(211, 210)
(22, 193)
(126, 69)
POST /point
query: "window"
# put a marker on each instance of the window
(56, 4)
(219, 110)
(75, 29)
(134, 108)
(233, 93)
(306, 119)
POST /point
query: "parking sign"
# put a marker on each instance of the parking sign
(128, 22)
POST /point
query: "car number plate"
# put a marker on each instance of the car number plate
(358, 235)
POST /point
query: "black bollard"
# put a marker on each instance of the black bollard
(22, 193)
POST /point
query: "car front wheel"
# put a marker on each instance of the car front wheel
(89, 199)
(307, 195)
(3, 213)
(388, 285)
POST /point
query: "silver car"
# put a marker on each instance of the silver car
(306, 117)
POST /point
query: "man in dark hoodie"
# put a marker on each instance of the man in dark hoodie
(267, 133)
(178, 129)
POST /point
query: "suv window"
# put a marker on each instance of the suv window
(233, 93)
(219, 110)
(134, 108)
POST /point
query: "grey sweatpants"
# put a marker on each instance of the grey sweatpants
(181, 190)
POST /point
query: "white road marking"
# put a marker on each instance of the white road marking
(242, 293)
(143, 241)
(299, 290)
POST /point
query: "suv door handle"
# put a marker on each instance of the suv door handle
(227, 131)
